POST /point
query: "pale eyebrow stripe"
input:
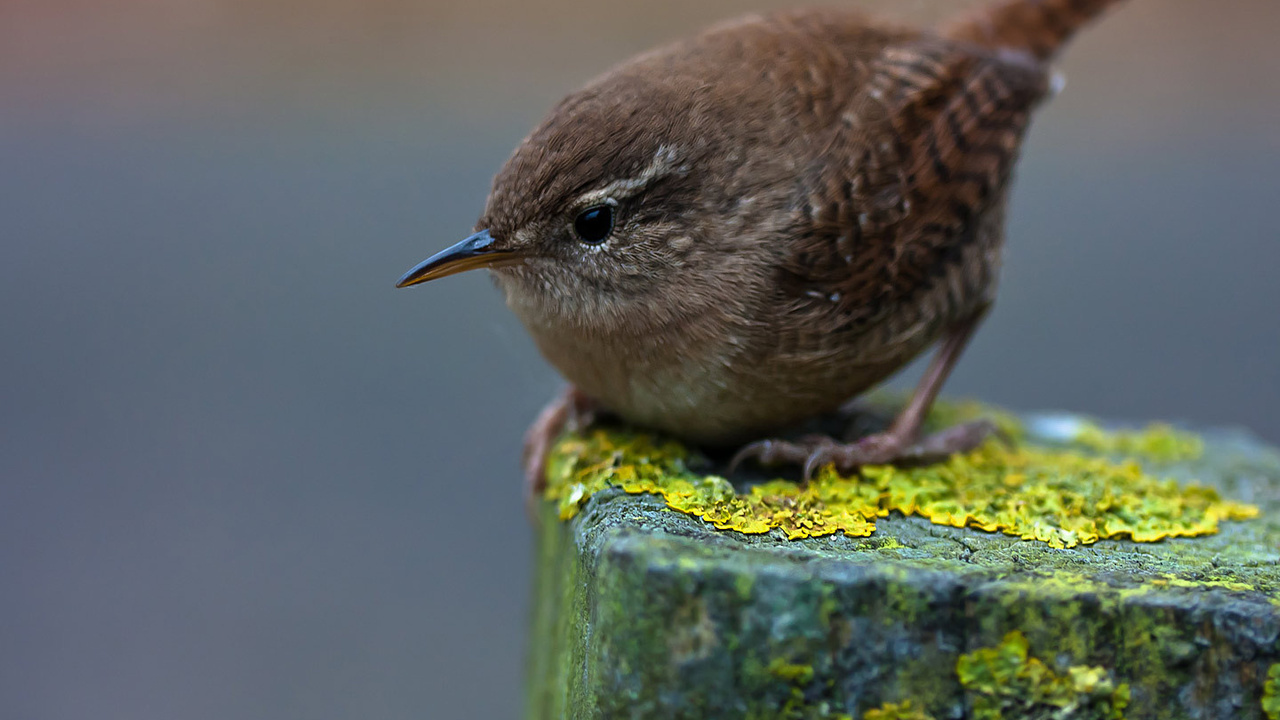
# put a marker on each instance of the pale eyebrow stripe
(663, 164)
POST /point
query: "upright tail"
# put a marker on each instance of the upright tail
(1040, 27)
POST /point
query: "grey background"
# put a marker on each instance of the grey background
(241, 476)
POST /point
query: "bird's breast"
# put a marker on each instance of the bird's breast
(713, 389)
(663, 380)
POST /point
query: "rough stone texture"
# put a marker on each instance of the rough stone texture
(643, 612)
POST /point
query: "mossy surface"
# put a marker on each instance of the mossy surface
(1006, 682)
(897, 711)
(1062, 496)
(643, 611)
(1271, 693)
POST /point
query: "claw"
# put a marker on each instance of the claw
(750, 450)
(958, 439)
(769, 452)
(571, 410)
(815, 451)
(815, 460)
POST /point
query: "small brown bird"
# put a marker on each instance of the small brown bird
(736, 232)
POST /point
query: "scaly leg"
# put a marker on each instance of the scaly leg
(570, 410)
(902, 441)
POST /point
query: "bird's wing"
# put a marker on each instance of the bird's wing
(925, 147)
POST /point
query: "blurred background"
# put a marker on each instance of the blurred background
(241, 476)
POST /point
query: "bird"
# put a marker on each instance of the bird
(730, 234)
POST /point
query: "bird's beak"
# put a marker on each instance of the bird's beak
(476, 251)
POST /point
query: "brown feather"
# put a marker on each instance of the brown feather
(804, 201)
(922, 152)
(1040, 27)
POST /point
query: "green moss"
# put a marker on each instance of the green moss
(1169, 580)
(791, 672)
(893, 711)
(1000, 682)
(1271, 693)
(1064, 497)
(1004, 681)
(798, 678)
(560, 598)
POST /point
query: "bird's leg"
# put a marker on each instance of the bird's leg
(902, 441)
(570, 410)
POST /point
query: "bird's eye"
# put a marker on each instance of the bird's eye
(594, 224)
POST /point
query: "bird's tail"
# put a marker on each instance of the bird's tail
(1040, 27)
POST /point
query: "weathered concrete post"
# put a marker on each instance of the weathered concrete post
(1051, 581)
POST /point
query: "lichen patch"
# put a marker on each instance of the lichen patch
(897, 711)
(1006, 682)
(1064, 496)
(1271, 693)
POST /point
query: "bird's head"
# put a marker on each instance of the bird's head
(611, 202)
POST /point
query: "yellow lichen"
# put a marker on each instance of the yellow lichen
(1061, 497)
(583, 466)
(1170, 580)
(1271, 693)
(894, 711)
(1159, 442)
(791, 672)
(797, 677)
(1004, 681)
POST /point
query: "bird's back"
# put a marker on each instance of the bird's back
(854, 176)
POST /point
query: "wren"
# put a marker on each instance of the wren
(733, 233)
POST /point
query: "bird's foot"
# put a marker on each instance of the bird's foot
(814, 451)
(571, 410)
